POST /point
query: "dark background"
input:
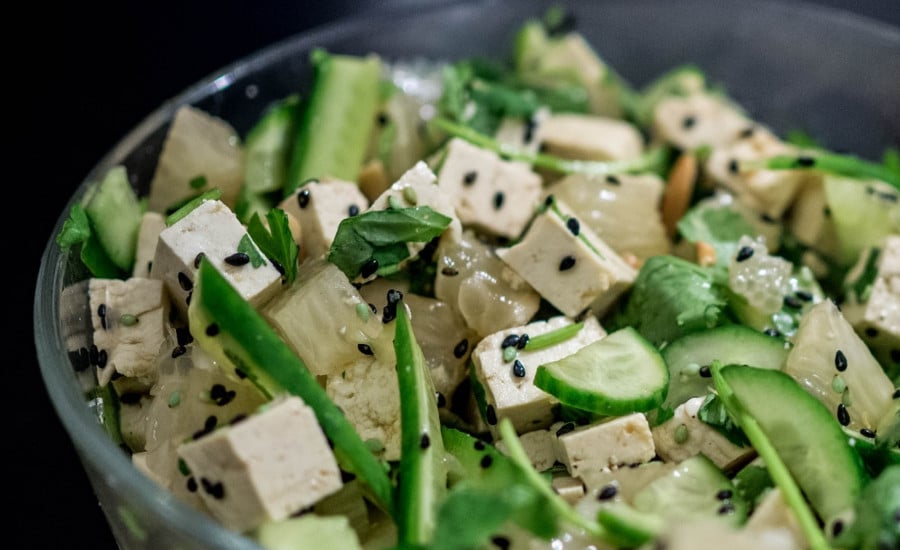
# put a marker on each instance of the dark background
(84, 77)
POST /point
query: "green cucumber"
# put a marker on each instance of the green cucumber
(627, 527)
(268, 145)
(729, 344)
(227, 327)
(801, 431)
(423, 474)
(619, 374)
(337, 122)
(115, 213)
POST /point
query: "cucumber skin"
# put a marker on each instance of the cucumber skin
(115, 213)
(793, 420)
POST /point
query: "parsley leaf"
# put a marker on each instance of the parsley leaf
(247, 247)
(276, 242)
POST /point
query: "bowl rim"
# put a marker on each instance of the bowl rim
(94, 445)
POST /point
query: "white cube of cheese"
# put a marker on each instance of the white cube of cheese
(152, 224)
(129, 321)
(697, 120)
(320, 206)
(607, 444)
(512, 394)
(213, 231)
(684, 435)
(494, 195)
(568, 264)
(590, 137)
(264, 468)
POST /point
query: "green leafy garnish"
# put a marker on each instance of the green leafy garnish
(718, 226)
(76, 230)
(850, 166)
(191, 204)
(197, 182)
(382, 235)
(276, 242)
(713, 412)
(553, 337)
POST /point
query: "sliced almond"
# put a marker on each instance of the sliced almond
(706, 254)
(679, 189)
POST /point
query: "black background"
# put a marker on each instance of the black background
(80, 79)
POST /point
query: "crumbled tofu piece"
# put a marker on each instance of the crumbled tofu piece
(368, 394)
(568, 264)
(264, 468)
(152, 224)
(684, 435)
(697, 120)
(522, 135)
(626, 481)
(809, 218)
(214, 231)
(538, 445)
(129, 321)
(590, 137)
(201, 152)
(516, 397)
(494, 195)
(770, 191)
(571, 489)
(607, 444)
(320, 206)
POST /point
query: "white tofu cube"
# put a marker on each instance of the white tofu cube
(607, 444)
(319, 207)
(590, 137)
(214, 231)
(152, 224)
(697, 120)
(684, 435)
(129, 326)
(538, 445)
(494, 195)
(568, 264)
(264, 468)
(516, 397)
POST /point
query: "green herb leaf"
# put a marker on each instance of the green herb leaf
(714, 413)
(470, 515)
(846, 165)
(719, 226)
(382, 235)
(277, 242)
(247, 246)
(76, 229)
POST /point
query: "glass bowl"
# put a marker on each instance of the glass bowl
(792, 65)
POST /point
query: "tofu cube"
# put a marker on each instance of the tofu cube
(590, 137)
(265, 468)
(129, 326)
(538, 445)
(697, 120)
(607, 444)
(568, 264)
(213, 230)
(152, 224)
(516, 397)
(319, 207)
(684, 435)
(494, 195)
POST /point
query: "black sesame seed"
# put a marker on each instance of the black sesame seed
(733, 166)
(185, 282)
(724, 494)
(613, 180)
(806, 162)
(449, 272)
(479, 445)
(388, 313)
(705, 372)
(895, 355)
(745, 253)
(688, 122)
(767, 218)
(192, 485)
(441, 400)
(548, 201)
(840, 361)
(491, 415)
(369, 267)
(567, 263)
(183, 336)
(792, 302)
(486, 461)
(747, 132)
(212, 329)
(565, 428)
(94, 354)
(518, 369)
(866, 432)
(837, 528)
(896, 394)
(470, 177)
(382, 119)
(826, 211)
(498, 200)
(101, 311)
(352, 210)
(80, 359)
(889, 197)
(528, 134)
(460, 349)
(238, 259)
(178, 351)
(303, 198)
(727, 508)
(510, 341)
(365, 349)
(424, 441)
(102, 357)
(198, 258)
(373, 308)
(773, 332)
(607, 492)
(501, 542)
(574, 226)
(872, 332)
(215, 490)
(842, 415)
(804, 295)
(523, 341)
(130, 398)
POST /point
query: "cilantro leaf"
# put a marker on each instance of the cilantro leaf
(470, 515)
(76, 229)
(718, 226)
(247, 247)
(713, 412)
(383, 235)
(276, 242)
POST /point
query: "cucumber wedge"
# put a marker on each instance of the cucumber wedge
(337, 122)
(227, 327)
(115, 213)
(801, 431)
(619, 374)
(268, 145)
(423, 474)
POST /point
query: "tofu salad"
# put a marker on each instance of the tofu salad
(501, 304)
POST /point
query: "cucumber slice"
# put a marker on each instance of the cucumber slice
(729, 344)
(627, 527)
(337, 123)
(268, 145)
(803, 433)
(115, 213)
(863, 212)
(619, 374)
